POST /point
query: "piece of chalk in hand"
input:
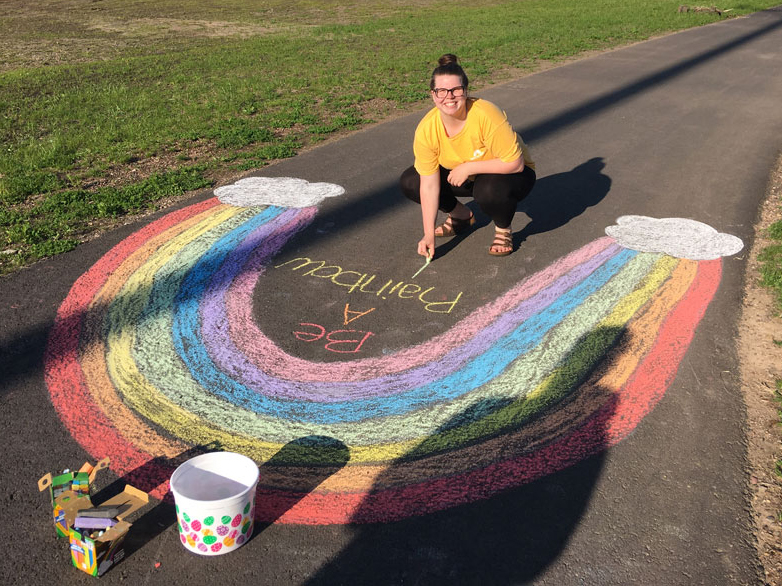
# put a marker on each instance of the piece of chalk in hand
(426, 264)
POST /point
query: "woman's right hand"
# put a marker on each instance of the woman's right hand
(426, 246)
(430, 196)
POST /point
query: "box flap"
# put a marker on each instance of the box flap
(99, 466)
(45, 481)
(131, 499)
(113, 533)
(71, 502)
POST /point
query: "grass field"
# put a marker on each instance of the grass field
(114, 107)
(771, 274)
(771, 259)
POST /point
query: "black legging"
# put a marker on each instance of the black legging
(496, 195)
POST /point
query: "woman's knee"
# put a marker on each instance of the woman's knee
(526, 182)
(497, 188)
(492, 189)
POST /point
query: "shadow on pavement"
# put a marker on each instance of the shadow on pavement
(556, 199)
(553, 202)
(505, 538)
(594, 106)
(315, 448)
(148, 523)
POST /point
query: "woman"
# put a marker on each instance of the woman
(465, 147)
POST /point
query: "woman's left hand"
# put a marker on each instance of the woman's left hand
(458, 175)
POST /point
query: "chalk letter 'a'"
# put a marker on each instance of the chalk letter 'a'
(360, 314)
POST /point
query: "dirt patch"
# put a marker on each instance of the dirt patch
(172, 26)
(35, 37)
(761, 366)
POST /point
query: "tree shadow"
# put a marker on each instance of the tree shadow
(326, 453)
(507, 535)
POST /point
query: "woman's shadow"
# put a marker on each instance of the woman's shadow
(553, 202)
(557, 199)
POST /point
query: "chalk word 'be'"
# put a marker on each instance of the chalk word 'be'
(355, 281)
(333, 342)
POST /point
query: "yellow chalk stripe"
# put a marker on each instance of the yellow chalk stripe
(120, 285)
(641, 334)
(627, 306)
(93, 363)
(644, 329)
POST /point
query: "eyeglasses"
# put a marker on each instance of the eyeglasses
(456, 92)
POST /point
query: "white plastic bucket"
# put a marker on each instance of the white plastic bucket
(215, 501)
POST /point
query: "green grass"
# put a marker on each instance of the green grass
(771, 264)
(53, 225)
(771, 276)
(101, 102)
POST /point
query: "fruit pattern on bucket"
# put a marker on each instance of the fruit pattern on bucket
(215, 534)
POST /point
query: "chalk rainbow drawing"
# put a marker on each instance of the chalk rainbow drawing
(155, 350)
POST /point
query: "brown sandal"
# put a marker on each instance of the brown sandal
(502, 239)
(453, 226)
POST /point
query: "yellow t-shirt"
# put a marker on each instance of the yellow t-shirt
(486, 135)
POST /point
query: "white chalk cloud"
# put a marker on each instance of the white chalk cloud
(678, 237)
(286, 192)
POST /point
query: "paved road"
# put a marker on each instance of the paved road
(604, 444)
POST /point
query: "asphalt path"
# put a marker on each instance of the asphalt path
(686, 126)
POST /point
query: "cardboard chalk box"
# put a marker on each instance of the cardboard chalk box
(93, 550)
(67, 490)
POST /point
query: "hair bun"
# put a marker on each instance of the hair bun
(447, 59)
(449, 65)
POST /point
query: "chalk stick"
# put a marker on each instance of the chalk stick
(93, 523)
(426, 264)
(99, 512)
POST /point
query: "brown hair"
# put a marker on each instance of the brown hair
(448, 64)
